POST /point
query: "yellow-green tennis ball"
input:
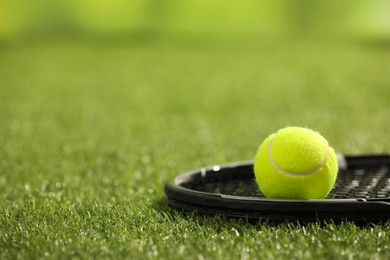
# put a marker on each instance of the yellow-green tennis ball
(295, 163)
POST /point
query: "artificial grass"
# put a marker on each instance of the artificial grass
(89, 134)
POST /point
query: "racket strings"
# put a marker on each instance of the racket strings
(354, 183)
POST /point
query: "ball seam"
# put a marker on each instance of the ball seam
(304, 173)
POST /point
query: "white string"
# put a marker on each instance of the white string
(304, 173)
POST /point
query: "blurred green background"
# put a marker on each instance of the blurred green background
(162, 18)
(103, 102)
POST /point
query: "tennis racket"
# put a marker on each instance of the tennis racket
(361, 193)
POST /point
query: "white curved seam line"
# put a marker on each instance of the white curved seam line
(271, 160)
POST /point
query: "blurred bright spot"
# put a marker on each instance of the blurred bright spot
(115, 16)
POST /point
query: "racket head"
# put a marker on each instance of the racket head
(361, 193)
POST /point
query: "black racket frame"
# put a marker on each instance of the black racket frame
(183, 194)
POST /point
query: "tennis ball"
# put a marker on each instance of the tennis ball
(295, 163)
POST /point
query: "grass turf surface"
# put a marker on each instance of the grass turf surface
(89, 134)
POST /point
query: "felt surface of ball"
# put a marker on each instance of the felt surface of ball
(295, 163)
